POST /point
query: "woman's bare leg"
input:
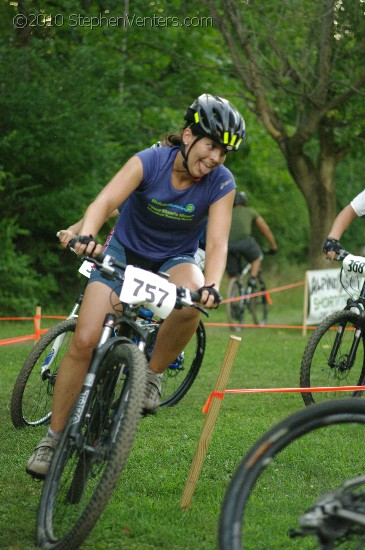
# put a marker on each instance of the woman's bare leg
(179, 327)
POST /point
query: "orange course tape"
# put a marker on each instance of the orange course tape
(220, 395)
(16, 318)
(18, 339)
(278, 289)
(217, 394)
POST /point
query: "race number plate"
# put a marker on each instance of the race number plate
(143, 287)
(354, 265)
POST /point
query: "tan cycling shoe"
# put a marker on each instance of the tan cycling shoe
(153, 392)
(38, 464)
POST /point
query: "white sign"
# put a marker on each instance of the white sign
(325, 294)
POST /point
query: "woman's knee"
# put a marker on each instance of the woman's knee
(188, 275)
(84, 341)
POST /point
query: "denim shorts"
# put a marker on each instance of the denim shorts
(123, 255)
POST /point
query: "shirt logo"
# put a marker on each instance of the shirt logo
(223, 185)
(188, 208)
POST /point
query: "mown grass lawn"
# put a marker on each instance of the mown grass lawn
(144, 512)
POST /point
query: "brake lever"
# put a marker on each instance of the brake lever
(202, 309)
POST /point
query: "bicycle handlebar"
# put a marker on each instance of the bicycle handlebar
(109, 266)
(342, 255)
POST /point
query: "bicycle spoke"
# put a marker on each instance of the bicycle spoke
(327, 358)
(33, 390)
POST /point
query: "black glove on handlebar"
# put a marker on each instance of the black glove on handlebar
(332, 245)
(212, 292)
(85, 239)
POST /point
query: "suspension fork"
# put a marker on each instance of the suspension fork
(82, 402)
(355, 343)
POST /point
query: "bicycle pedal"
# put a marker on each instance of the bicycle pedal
(35, 478)
(146, 412)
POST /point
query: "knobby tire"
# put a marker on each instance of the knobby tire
(84, 472)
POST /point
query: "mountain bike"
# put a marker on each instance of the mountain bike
(289, 491)
(99, 433)
(254, 307)
(335, 352)
(33, 389)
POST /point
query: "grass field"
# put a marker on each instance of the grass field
(144, 512)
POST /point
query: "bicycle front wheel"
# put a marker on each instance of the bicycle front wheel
(333, 357)
(236, 307)
(32, 395)
(308, 454)
(86, 467)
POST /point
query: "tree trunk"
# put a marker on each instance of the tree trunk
(316, 182)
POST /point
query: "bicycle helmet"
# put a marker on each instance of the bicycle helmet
(218, 119)
(240, 199)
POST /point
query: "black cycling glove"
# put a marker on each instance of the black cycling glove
(87, 239)
(212, 292)
(332, 245)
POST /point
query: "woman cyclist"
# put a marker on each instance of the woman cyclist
(169, 193)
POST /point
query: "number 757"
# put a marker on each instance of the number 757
(150, 292)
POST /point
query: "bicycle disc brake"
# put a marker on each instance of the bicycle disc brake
(335, 516)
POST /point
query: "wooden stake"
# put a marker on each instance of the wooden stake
(210, 421)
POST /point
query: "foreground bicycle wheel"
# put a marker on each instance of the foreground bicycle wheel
(33, 390)
(307, 455)
(86, 468)
(236, 308)
(326, 358)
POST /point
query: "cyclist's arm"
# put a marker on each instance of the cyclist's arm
(219, 223)
(342, 221)
(266, 231)
(66, 235)
(339, 226)
(111, 196)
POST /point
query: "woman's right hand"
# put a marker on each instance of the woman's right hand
(65, 236)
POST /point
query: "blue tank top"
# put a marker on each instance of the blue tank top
(159, 221)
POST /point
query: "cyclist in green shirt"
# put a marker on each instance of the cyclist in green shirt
(241, 241)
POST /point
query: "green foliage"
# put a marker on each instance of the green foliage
(80, 94)
(21, 288)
